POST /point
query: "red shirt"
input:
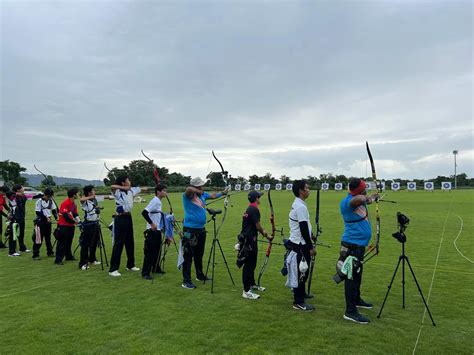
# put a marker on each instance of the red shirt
(3, 202)
(68, 207)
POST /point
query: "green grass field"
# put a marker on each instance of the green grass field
(60, 309)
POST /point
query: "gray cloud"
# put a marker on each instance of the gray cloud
(291, 88)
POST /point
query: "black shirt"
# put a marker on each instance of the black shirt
(249, 221)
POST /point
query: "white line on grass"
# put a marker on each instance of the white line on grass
(434, 273)
(30, 289)
(454, 242)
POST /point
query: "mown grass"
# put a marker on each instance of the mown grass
(60, 309)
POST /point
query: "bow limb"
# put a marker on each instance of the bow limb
(157, 178)
(374, 249)
(47, 183)
(315, 240)
(224, 175)
(270, 243)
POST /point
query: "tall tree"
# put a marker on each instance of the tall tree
(10, 172)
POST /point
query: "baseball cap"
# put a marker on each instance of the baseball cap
(253, 195)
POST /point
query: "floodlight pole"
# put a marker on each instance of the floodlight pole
(455, 153)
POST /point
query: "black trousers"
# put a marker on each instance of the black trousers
(64, 244)
(300, 291)
(45, 231)
(88, 241)
(151, 252)
(194, 242)
(352, 287)
(248, 269)
(123, 236)
(1, 232)
(21, 238)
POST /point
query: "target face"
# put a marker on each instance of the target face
(338, 186)
(411, 186)
(446, 185)
(325, 186)
(429, 186)
(257, 187)
(266, 187)
(395, 186)
(247, 187)
(237, 187)
(278, 187)
(289, 187)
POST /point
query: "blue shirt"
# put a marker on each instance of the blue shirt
(195, 210)
(357, 229)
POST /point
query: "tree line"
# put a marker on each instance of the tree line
(141, 174)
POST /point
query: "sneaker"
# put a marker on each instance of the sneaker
(96, 263)
(26, 251)
(250, 295)
(308, 295)
(2, 246)
(85, 267)
(115, 273)
(356, 317)
(363, 304)
(133, 269)
(306, 307)
(147, 277)
(188, 285)
(36, 258)
(14, 254)
(203, 278)
(257, 288)
(59, 263)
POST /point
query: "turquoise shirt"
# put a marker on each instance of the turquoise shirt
(357, 229)
(195, 210)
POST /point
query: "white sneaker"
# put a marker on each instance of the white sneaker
(85, 267)
(96, 263)
(133, 269)
(250, 295)
(26, 251)
(257, 288)
(115, 273)
(14, 254)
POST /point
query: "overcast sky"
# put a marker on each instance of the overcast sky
(292, 88)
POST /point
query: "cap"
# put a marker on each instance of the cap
(253, 195)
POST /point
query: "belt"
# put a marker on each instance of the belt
(123, 214)
(352, 246)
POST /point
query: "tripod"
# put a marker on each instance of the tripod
(212, 253)
(400, 236)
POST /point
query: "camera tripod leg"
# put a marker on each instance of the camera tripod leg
(209, 259)
(421, 293)
(101, 246)
(390, 286)
(225, 261)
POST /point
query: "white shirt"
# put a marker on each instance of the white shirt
(45, 207)
(89, 206)
(125, 198)
(154, 211)
(298, 213)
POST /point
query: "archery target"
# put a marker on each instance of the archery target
(278, 187)
(338, 186)
(267, 187)
(429, 185)
(395, 186)
(325, 186)
(411, 186)
(237, 187)
(382, 185)
(289, 187)
(446, 185)
(370, 185)
(257, 187)
(247, 187)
